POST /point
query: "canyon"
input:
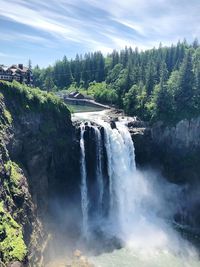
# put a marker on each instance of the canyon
(62, 179)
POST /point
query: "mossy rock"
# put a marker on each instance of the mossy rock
(15, 175)
(7, 116)
(12, 244)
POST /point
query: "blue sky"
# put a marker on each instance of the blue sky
(44, 31)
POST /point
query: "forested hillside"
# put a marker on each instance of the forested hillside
(157, 84)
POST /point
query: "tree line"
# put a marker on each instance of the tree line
(156, 84)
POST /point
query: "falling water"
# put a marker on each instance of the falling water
(138, 204)
(121, 166)
(84, 191)
(99, 174)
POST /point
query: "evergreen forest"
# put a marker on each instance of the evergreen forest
(157, 84)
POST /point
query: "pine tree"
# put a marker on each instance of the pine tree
(29, 64)
(185, 92)
(150, 77)
(196, 67)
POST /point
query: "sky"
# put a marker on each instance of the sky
(46, 30)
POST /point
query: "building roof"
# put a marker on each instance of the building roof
(14, 68)
(78, 95)
(3, 67)
(72, 94)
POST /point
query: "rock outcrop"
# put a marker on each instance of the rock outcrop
(174, 148)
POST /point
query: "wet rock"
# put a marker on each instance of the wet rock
(113, 124)
(137, 124)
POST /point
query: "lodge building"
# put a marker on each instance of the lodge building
(16, 72)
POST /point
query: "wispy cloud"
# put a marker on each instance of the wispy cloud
(14, 37)
(4, 55)
(94, 24)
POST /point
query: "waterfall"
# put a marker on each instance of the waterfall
(84, 191)
(99, 174)
(120, 201)
(121, 171)
(128, 142)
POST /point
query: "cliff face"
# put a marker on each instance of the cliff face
(180, 148)
(38, 161)
(184, 135)
(175, 150)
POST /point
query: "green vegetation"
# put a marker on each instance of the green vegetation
(157, 84)
(32, 99)
(5, 118)
(7, 115)
(15, 175)
(12, 245)
(102, 92)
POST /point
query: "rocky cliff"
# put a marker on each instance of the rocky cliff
(175, 151)
(182, 144)
(38, 161)
(174, 148)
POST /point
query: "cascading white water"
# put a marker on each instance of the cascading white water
(122, 178)
(126, 189)
(141, 206)
(84, 190)
(129, 146)
(120, 167)
(99, 174)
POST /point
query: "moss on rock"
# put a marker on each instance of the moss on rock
(15, 175)
(8, 116)
(12, 246)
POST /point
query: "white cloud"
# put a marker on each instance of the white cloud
(163, 19)
(13, 36)
(43, 20)
(106, 24)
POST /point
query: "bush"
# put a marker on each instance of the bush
(33, 99)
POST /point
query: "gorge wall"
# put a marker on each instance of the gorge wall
(175, 151)
(39, 160)
(40, 168)
(174, 148)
